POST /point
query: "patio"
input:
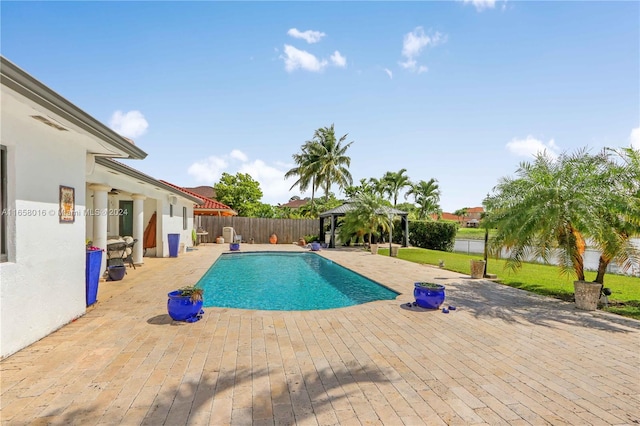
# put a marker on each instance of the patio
(503, 357)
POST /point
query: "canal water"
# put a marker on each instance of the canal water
(591, 256)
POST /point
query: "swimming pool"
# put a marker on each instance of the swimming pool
(286, 282)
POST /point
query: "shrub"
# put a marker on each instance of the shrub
(432, 235)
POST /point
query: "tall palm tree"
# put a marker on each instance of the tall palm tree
(306, 164)
(426, 196)
(331, 164)
(394, 183)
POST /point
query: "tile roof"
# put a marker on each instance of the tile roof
(208, 203)
(294, 204)
(203, 191)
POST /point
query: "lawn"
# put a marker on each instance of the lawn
(473, 233)
(540, 279)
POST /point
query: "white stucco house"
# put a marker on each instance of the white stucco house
(55, 157)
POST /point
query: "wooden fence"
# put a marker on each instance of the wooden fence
(259, 229)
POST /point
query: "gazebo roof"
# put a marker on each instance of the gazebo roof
(348, 206)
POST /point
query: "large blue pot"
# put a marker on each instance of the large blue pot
(92, 275)
(181, 308)
(315, 246)
(429, 295)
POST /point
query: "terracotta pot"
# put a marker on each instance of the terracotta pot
(273, 239)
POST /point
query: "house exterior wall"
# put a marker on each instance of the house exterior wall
(173, 225)
(43, 279)
(156, 201)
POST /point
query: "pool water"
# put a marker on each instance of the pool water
(286, 282)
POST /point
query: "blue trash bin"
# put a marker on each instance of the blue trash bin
(174, 243)
(92, 275)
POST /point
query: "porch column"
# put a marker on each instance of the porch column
(138, 228)
(321, 235)
(332, 241)
(405, 228)
(100, 217)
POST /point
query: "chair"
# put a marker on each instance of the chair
(116, 253)
(129, 252)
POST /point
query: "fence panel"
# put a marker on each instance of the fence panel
(260, 229)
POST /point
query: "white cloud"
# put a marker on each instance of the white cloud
(208, 170)
(634, 138)
(481, 5)
(531, 146)
(131, 124)
(299, 59)
(236, 154)
(309, 36)
(413, 44)
(338, 60)
(389, 73)
(274, 186)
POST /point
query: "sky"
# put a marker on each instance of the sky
(459, 91)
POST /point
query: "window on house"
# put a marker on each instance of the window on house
(3, 200)
(184, 218)
(170, 210)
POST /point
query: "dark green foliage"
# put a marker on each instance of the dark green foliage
(432, 235)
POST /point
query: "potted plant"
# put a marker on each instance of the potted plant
(92, 272)
(185, 304)
(428, 295)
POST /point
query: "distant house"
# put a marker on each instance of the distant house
(470, 220)
(202, 191)
(295, 204)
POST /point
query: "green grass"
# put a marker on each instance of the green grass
(472, 233)
(536, 278)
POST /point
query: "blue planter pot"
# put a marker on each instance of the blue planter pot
(429, 295)
(181, 308)
(117, 272)
(174, 243)
(315, 246)
(234, 246)
(92, 275)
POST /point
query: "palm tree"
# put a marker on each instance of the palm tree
(331, 165)
(307, 163)
(426, 196)
(367, 216)
(622, 212)
(394, 182)
(555, 204)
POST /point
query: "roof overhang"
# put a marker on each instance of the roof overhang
(25, 85)
(131, 172)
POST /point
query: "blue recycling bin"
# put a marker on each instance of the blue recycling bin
(92, 275)
(174, 243)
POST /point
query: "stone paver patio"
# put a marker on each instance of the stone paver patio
(503, 357)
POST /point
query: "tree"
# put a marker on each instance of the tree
(306, 168)
(554, 205)
(240, 192)
(621, 213)
(331, 164)
(394, 182)
(367, 216)
(426, 196)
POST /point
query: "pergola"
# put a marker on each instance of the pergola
(342, 210)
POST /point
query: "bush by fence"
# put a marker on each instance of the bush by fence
(260, 229)
(434, 235)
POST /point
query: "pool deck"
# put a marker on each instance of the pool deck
(503, 357)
